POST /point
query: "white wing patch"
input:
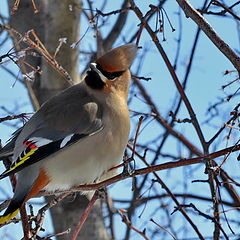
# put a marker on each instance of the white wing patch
(31, 146)
(66, 140)
(39, 141)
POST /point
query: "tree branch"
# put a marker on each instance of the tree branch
(191, 12)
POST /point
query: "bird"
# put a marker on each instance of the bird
(75, 136)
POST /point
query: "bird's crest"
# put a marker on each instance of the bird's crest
(118, 59)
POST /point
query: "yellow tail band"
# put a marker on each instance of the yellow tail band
(7, 218)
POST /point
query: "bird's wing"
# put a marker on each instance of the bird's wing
(7, 150)
(60, 122)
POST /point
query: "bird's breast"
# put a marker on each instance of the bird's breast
(85, 161)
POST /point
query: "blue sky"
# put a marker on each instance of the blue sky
(203, 89)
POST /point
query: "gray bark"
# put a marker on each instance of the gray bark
(59, 22)
(55, 21)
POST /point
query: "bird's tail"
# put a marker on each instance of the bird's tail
(11, 211)
(24, 190)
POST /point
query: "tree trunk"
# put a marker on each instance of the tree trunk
(55, 21)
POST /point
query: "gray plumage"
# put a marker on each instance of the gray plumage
(77, 135)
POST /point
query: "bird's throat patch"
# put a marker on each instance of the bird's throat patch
(94, 81)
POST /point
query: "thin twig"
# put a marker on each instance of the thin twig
(129, 224)
(191, 12)
(136, 136)
(12, 117)
(85, 215)
(227, 9)
(41, 213)
(163, 228)
(25, 225)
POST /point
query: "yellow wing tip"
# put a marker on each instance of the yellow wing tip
(7, 218)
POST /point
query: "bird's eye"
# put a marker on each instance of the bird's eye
(110, 75)
(113, 75)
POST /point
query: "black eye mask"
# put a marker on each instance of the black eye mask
(109, 75)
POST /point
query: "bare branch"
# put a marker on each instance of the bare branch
(191, 12)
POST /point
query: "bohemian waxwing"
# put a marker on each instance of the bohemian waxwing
(76, 135)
